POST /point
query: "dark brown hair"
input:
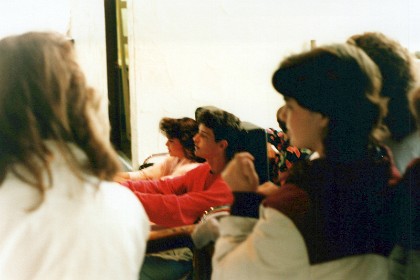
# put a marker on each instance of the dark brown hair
(225, 126)
(397, 68)
(184, 130)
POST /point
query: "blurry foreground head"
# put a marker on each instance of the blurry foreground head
(397, 68)
(414, 99)
(342, 83)
(44, 99)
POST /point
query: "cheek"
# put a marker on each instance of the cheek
(294, 130)
(290, 123)
(179, 148)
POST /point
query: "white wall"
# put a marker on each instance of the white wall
(18, 16)
(188, 53)
(82, 20)
(87, 28)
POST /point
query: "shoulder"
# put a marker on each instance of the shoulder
(412, 173)
(200, 168)
(118, 199)
(289, 199)
(171, 160)
(186, 165)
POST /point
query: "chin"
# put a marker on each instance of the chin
(198, 154)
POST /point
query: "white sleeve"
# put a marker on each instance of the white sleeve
(268, 248)
(127, 233)
(148, 173)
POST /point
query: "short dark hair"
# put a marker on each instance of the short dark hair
(184, 130)
(225, 126)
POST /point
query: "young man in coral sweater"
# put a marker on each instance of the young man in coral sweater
(182, 200)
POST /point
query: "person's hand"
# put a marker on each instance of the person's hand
(240, 173)
(267, 188)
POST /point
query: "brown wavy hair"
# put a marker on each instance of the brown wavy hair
(44, 96)
(397, 68)
(184, 130)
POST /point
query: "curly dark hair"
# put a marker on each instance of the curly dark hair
(397, 68)
(184, 130)
(225, 126)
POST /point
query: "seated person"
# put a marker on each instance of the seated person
(282, 155)
(399, 76)
(405, 257)
(60, 216)
(182, 200)
(326, 221)
(180, 144)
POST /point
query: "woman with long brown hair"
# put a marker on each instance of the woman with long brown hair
(59, 217)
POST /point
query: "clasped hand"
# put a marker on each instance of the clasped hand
(240, 173)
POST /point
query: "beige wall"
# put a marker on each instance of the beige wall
(188, 53)
(81, 19)
(87, 28)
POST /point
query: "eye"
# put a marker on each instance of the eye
(202, 135)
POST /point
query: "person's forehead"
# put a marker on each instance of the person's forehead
(205, 130)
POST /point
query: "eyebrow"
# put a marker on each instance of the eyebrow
(204, 132)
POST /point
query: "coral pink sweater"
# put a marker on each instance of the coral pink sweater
(181, 200)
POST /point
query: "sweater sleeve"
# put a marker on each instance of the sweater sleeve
(156, 171)
(156, 186)
(180, 200)
(268, 248)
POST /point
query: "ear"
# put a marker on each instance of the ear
(223, 144)
(324, 121)
(323, 124)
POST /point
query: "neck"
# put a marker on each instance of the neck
(320, 150)
(217, 164)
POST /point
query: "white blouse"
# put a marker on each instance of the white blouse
(77, 232)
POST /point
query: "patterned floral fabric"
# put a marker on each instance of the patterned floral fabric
(286, 156)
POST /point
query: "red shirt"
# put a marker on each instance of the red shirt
(181, 200)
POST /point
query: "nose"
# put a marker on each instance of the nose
(167, 143)
(195, 138)
(283, 114)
